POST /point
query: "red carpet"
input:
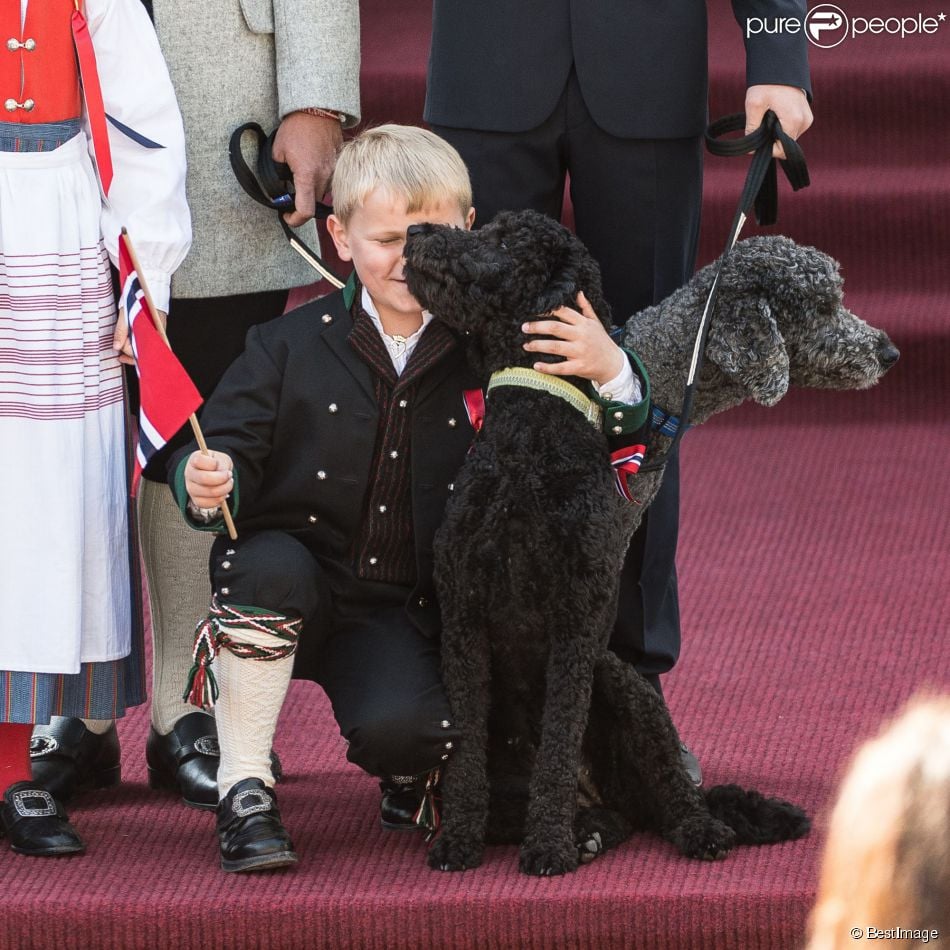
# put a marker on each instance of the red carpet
(814, 559)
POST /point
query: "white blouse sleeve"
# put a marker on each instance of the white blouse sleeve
(624, 387)
(147, 196)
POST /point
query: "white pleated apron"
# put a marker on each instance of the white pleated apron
(64, 565)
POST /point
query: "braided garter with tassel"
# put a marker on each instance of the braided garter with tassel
(215, 633)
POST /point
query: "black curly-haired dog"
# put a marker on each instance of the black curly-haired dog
(529, 554)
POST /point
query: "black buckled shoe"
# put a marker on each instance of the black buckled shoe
(402, 796)
(35, 822)
(68, 759)
(186, 760)
(250, 834)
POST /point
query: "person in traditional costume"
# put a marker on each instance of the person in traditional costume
(91, 140)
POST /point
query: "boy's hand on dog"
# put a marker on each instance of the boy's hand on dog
(581, 339)
(209, 479)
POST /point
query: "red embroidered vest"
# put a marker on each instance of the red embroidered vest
(39, 77)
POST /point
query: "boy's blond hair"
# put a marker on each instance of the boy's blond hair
(406, 161)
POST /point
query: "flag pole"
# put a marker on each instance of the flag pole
(193, 419)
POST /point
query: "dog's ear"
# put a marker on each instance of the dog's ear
(745, 343)
(575, 271)
(541, 276)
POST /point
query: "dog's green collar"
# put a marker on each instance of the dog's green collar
(532, 379)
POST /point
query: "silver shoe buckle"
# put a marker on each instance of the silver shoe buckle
(20, 798)
(259, 795)
(208, 745)
(42, 745)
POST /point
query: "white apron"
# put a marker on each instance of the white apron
(64, 573)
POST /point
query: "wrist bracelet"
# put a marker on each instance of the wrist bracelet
(325, 114)
(202, 515)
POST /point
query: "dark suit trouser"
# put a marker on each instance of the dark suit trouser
(381, 674)
(636, 207)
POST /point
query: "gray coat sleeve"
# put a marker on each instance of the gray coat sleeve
(318, 56)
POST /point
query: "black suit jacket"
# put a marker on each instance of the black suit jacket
(502, 65)
(272, 414)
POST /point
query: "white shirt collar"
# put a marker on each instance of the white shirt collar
(399, 350)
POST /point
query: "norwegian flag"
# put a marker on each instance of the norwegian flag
(627, 461)
(167, 396)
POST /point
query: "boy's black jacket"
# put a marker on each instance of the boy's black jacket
(271, 413)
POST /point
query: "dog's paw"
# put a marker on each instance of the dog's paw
(597, 830)
(590, 847)
(453, 854)
(703, 837)
(547, 861)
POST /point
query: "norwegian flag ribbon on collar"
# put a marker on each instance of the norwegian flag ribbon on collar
(625, 462)
(475, 407)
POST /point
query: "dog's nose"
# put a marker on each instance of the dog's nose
(887, 353)
(416, 229)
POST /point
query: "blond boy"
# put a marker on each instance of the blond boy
(336, 438)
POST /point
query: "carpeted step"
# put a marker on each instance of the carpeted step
(889, 229)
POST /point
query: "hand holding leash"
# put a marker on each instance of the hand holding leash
(789, 104)
(272, 187)
(307, 144)
(759, 192)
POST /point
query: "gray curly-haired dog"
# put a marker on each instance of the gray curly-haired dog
(566, 749)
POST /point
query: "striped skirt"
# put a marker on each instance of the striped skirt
(70, 617)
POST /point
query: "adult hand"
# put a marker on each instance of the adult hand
(121, 342)
(789, 103)
(308, 144)
(209, 479)
(581, 339)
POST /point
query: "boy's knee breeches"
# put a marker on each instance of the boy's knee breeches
(273, 571)
(381, 674)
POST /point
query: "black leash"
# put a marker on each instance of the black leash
(759, 194)
(272, 187)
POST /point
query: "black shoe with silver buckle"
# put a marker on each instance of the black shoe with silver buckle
(35, 822)
(402, 796)
(186, 760)
(67, 759)
(250, 834)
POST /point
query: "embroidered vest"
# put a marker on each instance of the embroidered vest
(39, 77)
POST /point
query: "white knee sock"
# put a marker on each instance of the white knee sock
(251, 693)
(176, 567)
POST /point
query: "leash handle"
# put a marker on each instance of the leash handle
(761, 187)
(270, 188)
(759, 194)
(246, 178)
